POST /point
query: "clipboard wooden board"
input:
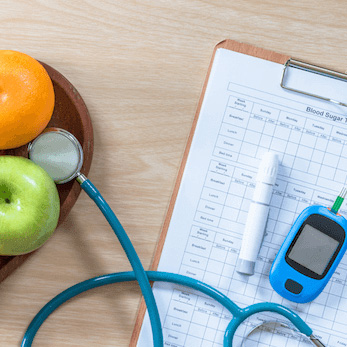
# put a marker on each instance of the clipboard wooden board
(233, 46)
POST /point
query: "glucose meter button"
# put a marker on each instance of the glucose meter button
(293, 287)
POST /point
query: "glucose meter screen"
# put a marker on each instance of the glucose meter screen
(313, 249)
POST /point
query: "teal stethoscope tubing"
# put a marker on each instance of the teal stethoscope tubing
(239, 314)
(143, 278)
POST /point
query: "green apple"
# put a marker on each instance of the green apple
(29, 205)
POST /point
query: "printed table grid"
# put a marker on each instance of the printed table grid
(305, 151)
(310, 151)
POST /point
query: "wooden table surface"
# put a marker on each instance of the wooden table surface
(140, 67)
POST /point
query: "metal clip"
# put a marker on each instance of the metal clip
(314, 69)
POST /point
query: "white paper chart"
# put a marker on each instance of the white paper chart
(244, 114)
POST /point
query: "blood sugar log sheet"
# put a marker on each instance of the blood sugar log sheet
(246, 113)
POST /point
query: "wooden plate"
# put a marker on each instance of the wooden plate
(70, 113)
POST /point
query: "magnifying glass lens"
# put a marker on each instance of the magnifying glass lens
(59, 153)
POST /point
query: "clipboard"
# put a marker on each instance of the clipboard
(257, 52)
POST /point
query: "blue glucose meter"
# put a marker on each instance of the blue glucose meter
(309, 255)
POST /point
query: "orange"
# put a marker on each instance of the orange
(26, 99)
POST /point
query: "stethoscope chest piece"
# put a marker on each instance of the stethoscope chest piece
(59, 153)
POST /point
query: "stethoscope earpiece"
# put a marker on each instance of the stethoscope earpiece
(282, 331)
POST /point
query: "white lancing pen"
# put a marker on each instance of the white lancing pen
(257, 214)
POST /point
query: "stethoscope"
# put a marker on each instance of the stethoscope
(61, 155)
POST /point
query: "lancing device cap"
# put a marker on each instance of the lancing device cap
(267, 171)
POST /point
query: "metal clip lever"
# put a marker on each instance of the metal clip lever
(300, 65)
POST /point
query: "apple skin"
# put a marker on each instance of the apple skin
(29, 205)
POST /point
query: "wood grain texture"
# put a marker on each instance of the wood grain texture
(140, 68)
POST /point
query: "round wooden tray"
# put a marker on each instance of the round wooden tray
(70, 113)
